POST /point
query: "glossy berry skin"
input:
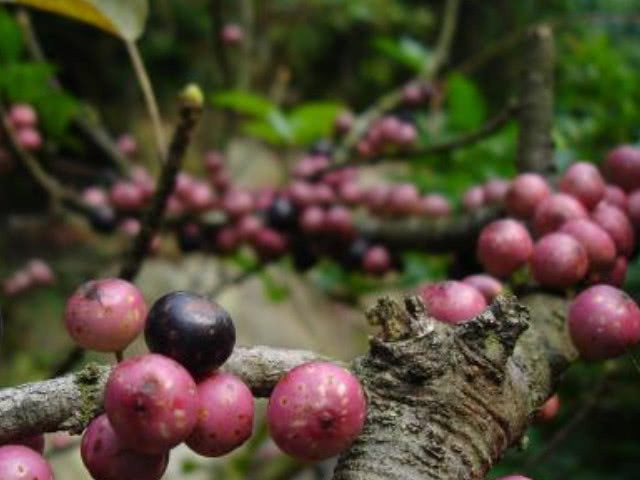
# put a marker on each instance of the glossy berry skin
(488, 286)
(151, 402)
(616, 223)
(225, 419)
(434, 205)
(583, 181)
(18, 462)
(633, 208)
(316, 411)
(615, 196)
(452, 301)
(473, 198)
(495, 190)
(549, 409)
(525, 194)
(558, 261)
(106, 458)
(622, 167)
(196, 332)
(555, 210)
(603, 322)
(504, 246)
(35, 443)
(599, 246)
(105, 315)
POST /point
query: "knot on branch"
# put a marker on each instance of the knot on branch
(399, 323)
(495, 331)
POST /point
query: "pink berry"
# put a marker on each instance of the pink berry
(22, 115)
(555, 210)
(600, 248)
(323, 194)
(617, 225)
(29, 139)
(583, 181)
(200, 197)
(17, 283)
(270, 244)
(377, 198)
(350, 193)
(615, 196)
(316, 411)
(549, 409)
(487, 285)
(105, 315)
(227, 239)
(18, 462)
(525, 194)
(622, 167)
(130, 227)
(434, 205)
(127, 145)
(301, 193)
(633, 208)
(183, 184)
(142, 178)
(558, 261)
(40, 272)
(614, 276)
(452, 301)
(376, 260)
(95, 197)
(338, 220)
(232, 34)
(473, 198)
(126, 195)
(152, 403)
(403, 199)
(225, 419)
(213, 161)
(495, 190)
(248, 227)
(413, 95)
(312, 220)
(504, 246)
(603, 322)
(237, 203)
(106, 458)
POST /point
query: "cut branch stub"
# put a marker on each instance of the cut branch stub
(446, 403)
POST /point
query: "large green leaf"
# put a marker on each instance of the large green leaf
(313, 120)
(10, 38)
(405, 50)
(467, 107)
(244, 102)
(124, 18)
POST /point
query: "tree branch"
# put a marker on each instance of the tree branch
(440, 235)
(395, 97)
(70, 402)
(535, 146)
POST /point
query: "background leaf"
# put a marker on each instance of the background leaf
(313, 120)
(124, 18)
(10, 38)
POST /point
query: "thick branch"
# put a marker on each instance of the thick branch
(441, 235)
(535, 147)
(70, 402)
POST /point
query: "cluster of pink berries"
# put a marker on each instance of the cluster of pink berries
(177, 394)
(390, 133)
(23, 120)
(35, 273)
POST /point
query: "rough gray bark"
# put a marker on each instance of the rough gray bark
(535, 146)
(445, 402)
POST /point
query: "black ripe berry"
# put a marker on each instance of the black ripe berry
(281, 215)
(103, 219)
(194, 331)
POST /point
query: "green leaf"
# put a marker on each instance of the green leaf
(263, 130)
(276, 292)
(244, 102)
(124, 18)
(313, 120)
(467, 108)
(10, 38)
(406, 51)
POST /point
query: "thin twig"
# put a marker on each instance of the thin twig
(96, 134)
(395, 97)
(149, 96)
(490, 127)
(219, 50)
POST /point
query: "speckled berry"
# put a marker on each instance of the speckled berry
(584, 182)
(603, 322)
(558, 261)
(599, 246)
(151, 402)
(614, 195)
(193, 330)
(452, 301)
(622, 167)
(18, 462)
(555, 210)
(106, 458)
(225, 419)
(616, 223)
(504, 246)
(316, 411)
(105, 315)
(525, 194)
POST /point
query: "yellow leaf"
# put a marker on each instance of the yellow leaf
(124, 18)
